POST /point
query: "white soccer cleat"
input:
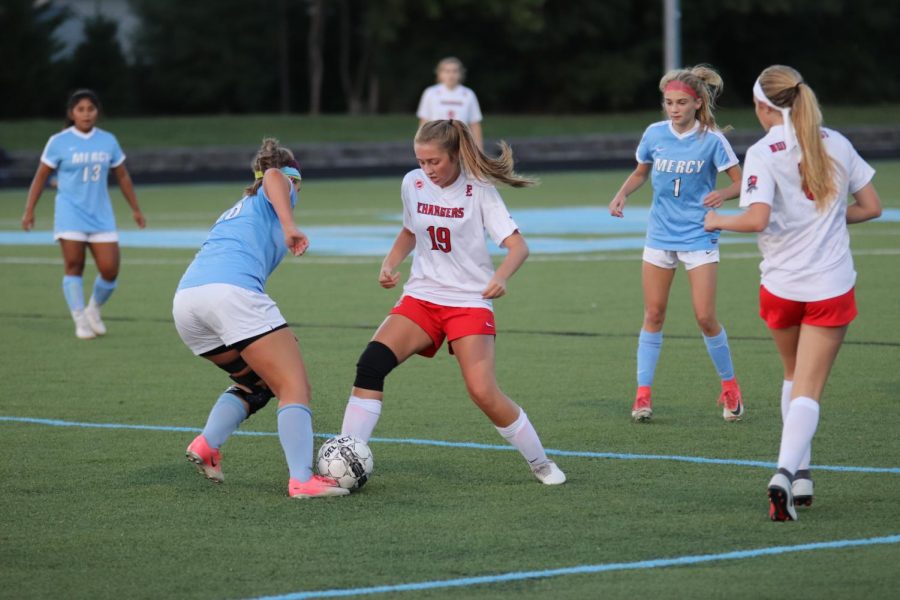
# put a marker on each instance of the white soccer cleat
(802, 489)
(781, 498)
(549, 474)
(83, 329)
(92, 314)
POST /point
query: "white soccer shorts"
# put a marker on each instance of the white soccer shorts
(216, 314)
(669, 259)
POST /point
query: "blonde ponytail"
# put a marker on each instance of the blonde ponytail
(454, 138)
(785, 87)
(271, 155)
(707, 84)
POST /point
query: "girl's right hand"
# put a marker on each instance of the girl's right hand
(28, 221)
(616, 206)
(388, 278)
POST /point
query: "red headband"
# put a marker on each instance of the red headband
(680, 86)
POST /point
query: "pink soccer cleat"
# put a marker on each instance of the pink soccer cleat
(732, 400)
(207, 460)
(642, 409)
(315, 487)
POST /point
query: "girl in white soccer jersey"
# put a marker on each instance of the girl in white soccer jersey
(448, 204)
(82, 155)
(683, 155)
(450, 99)
(796, 182)
(223, 314)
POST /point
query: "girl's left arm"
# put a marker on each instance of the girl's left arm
(715, 198)
(127, 187)
(517, 252)
(867, 205)
(752, 220)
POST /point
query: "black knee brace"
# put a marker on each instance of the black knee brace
(258, 396)
(255, 400)
(376, 361)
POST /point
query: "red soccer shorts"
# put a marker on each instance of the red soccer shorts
(452, 322)
(779, 313)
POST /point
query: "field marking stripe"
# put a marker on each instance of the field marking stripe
(467, 445)
(657, 563)
(358, 260)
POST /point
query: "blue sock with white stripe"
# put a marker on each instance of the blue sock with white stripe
(226, 416)
(720, 353)
(73, 290)
(103, 289)
(649, 346)
(296, 435)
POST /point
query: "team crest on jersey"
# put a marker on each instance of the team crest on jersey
(419, 184)
(751, 184)
(468, 190)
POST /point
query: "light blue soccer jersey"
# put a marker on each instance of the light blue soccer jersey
(243, 247)
(82, 162)
(683, 171)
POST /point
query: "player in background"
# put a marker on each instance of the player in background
(82, 155)
(223, 314)
(682, 156)
(796, 182)
(450, 99)
(448, 203)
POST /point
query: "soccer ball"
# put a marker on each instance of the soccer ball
(346, 459)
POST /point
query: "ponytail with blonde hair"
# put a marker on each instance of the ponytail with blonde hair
(707, 84)
(454, 138)
(271, 155)
(785, 88)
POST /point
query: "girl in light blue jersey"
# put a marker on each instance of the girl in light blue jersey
(82, 155)
(223, 314)
(683, 155)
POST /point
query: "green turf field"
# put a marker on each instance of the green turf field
(161, 132)
(118, 513)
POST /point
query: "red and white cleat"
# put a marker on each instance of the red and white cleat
(642, 409)
(207, 460)
(732, 400)
(315, 487)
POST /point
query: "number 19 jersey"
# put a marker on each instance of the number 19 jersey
(83, 161)
(451, 265)
(684, 167)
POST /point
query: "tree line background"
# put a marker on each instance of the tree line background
(373, 56)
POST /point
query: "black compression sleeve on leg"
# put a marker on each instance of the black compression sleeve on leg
(376, 361)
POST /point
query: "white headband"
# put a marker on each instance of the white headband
(790, 138)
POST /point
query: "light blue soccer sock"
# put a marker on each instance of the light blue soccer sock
(717, 346)
(226, 416)
(296, 435)
(649, 346)
(73, 290)
(103, 289)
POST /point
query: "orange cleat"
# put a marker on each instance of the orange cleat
(315, 487)
(732, 400)
(642, 409)
(207, 460)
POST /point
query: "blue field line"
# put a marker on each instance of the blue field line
(468, 445)
(584, 569)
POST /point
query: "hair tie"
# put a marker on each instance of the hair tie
(790, 137)
(258, 174)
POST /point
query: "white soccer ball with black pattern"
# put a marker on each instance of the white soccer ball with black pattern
(346, 459)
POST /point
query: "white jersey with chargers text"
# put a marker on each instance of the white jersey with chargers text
(440, 102)
(451, 265)
(806, 254)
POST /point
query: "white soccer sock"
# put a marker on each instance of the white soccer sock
(521, 434)
(360, 417)
(799, 429)
(786, 388)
